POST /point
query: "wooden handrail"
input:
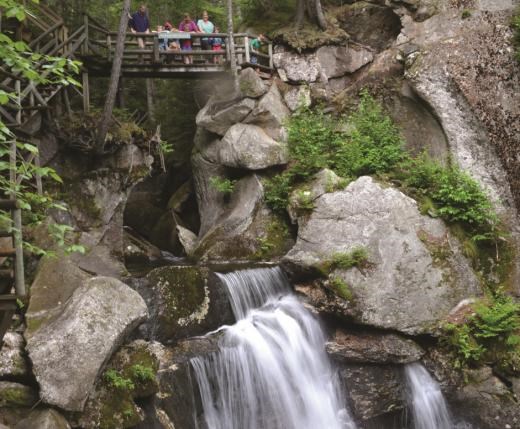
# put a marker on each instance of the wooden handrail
(45, 33)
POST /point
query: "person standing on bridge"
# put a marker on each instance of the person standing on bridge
(205, 26)
(139, 23)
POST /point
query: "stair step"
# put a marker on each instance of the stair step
(6, 253)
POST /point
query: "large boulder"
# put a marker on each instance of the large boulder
(416, 272)
(298, 97)
(13, 362)
(297, 68)
(217, 116)
(78, 342)
(270, 113)
(184, 301)
(250, 83)
(246, 229)
(248, 146)
(43, 419)
(336, 61)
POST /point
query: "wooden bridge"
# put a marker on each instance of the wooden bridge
(152, 60)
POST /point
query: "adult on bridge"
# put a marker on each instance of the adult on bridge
(140, 23)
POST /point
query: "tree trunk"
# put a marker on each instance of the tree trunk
(320, 17)
(300, 13)
(231, 44)
(150, 101)
(114, 79)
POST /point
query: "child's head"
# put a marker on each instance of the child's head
(168, 26)
(217, 30)
(262, 37)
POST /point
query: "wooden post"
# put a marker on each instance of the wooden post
(66, 100)
(156, 57)
(270, 52)
(231, 43)
(84, 47)
(86, 93)
(38, 177)
(246, 46)
(18, 247)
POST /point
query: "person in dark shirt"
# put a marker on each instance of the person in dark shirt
(139, 23)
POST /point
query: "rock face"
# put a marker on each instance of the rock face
(372, 348)
(78, 342)
(248, 146)
(13, 395)
(43, 419)
(295, 67)
(336, 61)
(250, 84)
(185, 301)
(416, 273)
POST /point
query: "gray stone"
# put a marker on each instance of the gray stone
(209, 200)
(47, 301)
(187, 239)
(297, 98)
(416, 272)
(68, 354)
(372, 348)
(186, 301)
(248, 146)
(13, 364)
(270, 113)
(16, 395)
(138, 250)
(297, 67)
(43, 419)
(217, 116)
(336, 61)
(246, 228)
(374, 390)
(250, 84)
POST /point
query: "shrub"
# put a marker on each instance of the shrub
(345, 260)
(223, 185)
(491, 334)
(341, 288)
(142, 373)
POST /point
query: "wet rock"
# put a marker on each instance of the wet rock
(186, 301)
(139, 250)
(14, 395)
(43, 419)
(270, 113)
(248, 146)
(372, 348)
(217, 116)
(78, 342)
(13, 363)
(164, 233)
(250, 84)
(296, 67)
(297, 98)
(374, 390)
(134, 367)
(188, 239)
(336, 61)
(416, 272)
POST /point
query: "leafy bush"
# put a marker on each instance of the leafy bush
(491, 334)
(345, 260)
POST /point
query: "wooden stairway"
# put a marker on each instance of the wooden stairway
(12, 281)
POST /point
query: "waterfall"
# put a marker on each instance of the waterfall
(429, 408)
(271, 370)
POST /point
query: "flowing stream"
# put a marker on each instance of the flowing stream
(429, 408)
(271, 371)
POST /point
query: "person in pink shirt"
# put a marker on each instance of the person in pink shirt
(188, 25)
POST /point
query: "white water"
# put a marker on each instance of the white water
(429, 408)
(271, 371)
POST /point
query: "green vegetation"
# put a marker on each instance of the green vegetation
(515, 23)
(346, 260)
(223, 185)
(274, 242)
(466, 13)
(341, 288)
(490, 335)
(117, 381)
(142, 373)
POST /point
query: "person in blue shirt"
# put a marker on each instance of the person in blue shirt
(139, 23)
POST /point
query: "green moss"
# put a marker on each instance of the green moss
(341, 288)
(275, 241)
(357, 257)
(14, 395)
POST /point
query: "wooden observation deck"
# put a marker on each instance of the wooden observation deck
(153, 60)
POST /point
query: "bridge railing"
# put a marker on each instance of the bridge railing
(149, 49)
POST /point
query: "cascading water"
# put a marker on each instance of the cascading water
(271, 370)
(429, 407)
